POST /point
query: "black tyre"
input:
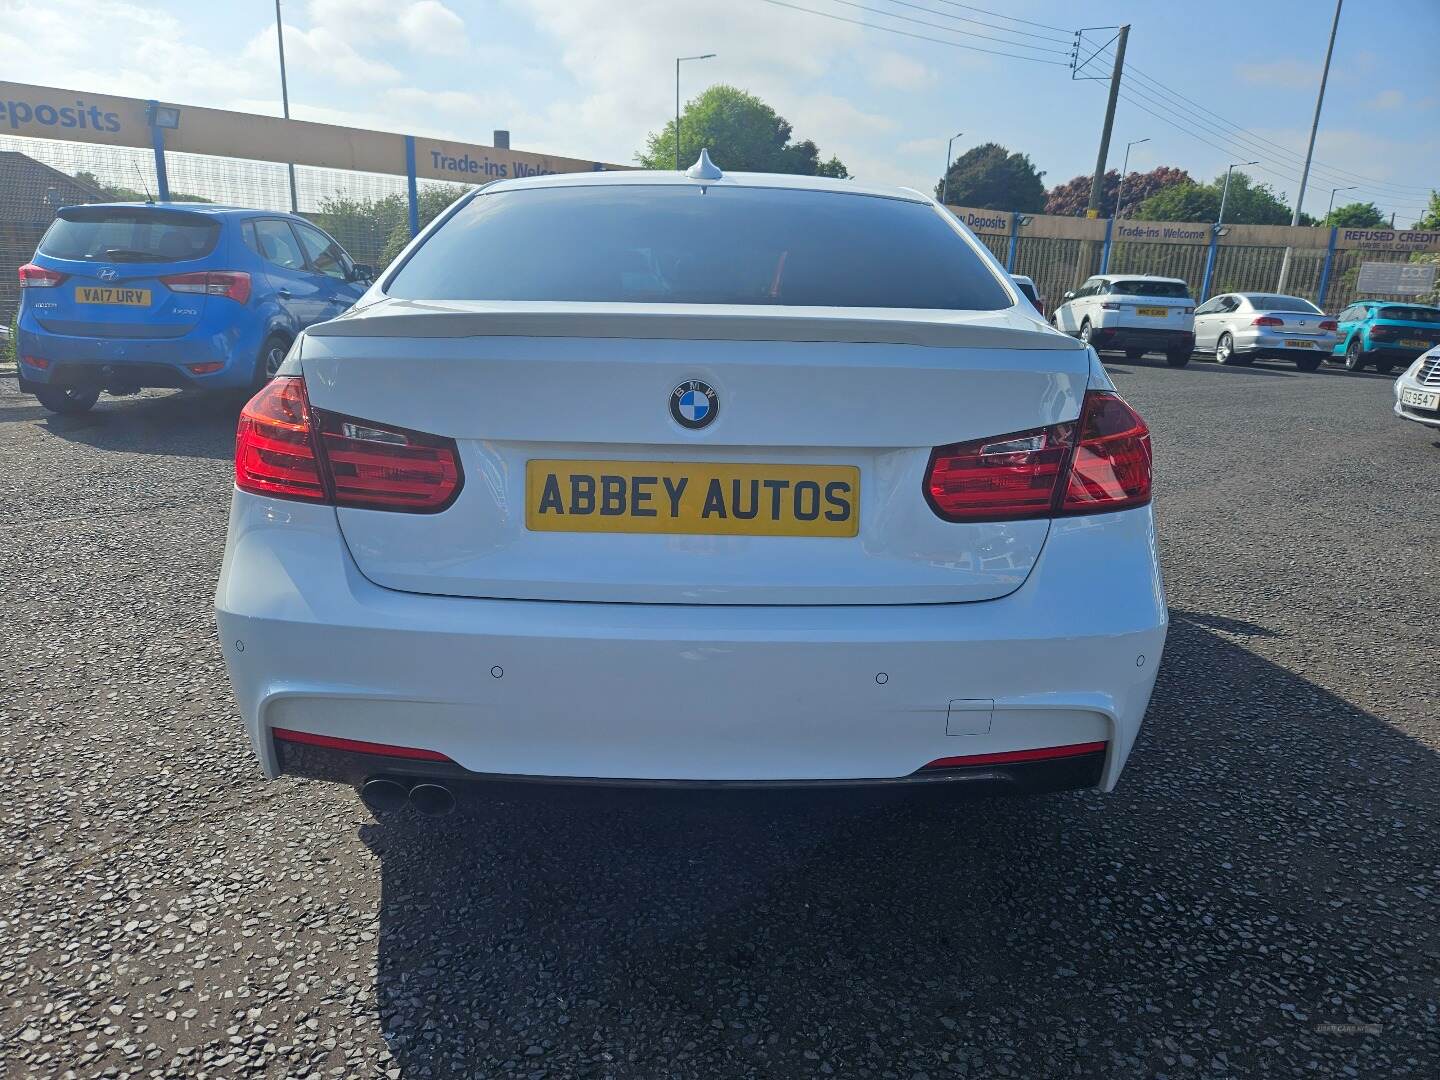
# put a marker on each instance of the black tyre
(272, 355)
(67, 400)
(1385, 367)
(1354, 355)
(1134, 354)
(1178, 359)
(1085, 331)
(1308, 363)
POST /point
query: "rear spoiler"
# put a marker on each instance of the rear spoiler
(461, 319)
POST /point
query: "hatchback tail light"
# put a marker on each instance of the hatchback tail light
(1267, 320)
(286, 448)
(231, 284)
(39, 277)
(1098, 463)
(1380, 333)
(1329, 324)
(1108, 305)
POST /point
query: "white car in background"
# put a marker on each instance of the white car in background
(1131, 312)
(734, 480)
(1417, 390)
(1026, 285)
(1240, 328)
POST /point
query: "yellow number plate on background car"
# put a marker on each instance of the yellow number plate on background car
(86, 294)
(1296, 343)
(1411, 343)
(1153, 312)
(692, 497)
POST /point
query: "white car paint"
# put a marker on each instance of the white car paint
(1417, 390)
(1109, 306)
(693, 657)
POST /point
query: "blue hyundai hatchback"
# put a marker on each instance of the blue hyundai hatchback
(121, 296)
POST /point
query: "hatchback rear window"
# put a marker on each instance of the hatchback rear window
(111, 234)
(1410, 314)
(1177, 289)
(662, 244)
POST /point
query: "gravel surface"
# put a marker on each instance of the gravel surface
(1257, 898)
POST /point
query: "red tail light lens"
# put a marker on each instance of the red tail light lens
(274, 453)
(1379, 333)
(286, 448)
(1329, 324)
(383, 468)
(1097, 464)
(1267, 320)
(36, 362)
(38, 277)
(1111, 467)
(231, 284)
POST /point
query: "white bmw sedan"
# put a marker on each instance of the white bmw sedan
(646, 478)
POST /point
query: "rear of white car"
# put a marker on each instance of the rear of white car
(597, 487)
(1133, 313)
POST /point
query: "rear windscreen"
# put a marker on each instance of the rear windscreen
(1410, 314)
(129, 235)
(663, 244)
(1029, 291)
(1176, 289)
(1283, 303)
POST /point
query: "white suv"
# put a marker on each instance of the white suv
(1133, 312)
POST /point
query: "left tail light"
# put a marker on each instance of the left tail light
(1099, 463)
(40, 277)
(231, 284)
(288, 449)
(1267, 320)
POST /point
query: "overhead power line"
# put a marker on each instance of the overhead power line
(1011, 18)
(910, 34)
(988, 26)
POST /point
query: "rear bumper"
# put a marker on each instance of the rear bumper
(1136, 337)
(141, 362)
(656, 692)
(1253, 343)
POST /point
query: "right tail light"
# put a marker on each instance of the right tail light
(287, 449)
(1098, 463)
(1329, 324)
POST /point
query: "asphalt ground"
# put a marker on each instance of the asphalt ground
(1258, 898)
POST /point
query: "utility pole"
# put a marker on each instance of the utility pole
(1097, 185)
(1310, 149)
(285, 99)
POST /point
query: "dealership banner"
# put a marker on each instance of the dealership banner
(42, 112)
(1388, 239)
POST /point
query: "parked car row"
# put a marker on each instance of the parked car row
(1137, 314)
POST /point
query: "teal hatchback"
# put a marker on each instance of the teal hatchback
(1385, 334)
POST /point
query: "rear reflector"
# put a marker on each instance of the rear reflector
(1097, 464)
(38, 277)
(207, 368)
(1010, 757)
(286, 448)
(356, 746)
(231, 284)
(36, 362)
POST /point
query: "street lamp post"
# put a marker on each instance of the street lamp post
(285, 98)
(1225, 192)
(1329, 209)
(1120, 191)
(678, 59)
(945, 179)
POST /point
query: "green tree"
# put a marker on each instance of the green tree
(1071, 198)
(1249, 203)
(1430, 220)
(121, 193)
(1356, 215)
(377, 229)
(742, 133)
(989, 177)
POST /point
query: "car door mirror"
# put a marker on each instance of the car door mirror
(1069, 295)
(362, 272)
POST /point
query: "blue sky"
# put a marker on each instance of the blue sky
(589, 78)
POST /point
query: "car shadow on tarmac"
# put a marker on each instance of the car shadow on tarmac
(173, 423)
(1262, 874)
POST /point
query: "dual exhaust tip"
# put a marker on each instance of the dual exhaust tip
(432, 800)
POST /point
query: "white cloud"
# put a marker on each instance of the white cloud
(900, 72)
(1290, 74)
(320, 50)
(423, 26)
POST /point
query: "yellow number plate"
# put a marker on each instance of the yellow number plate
(1411, 343)
(87, 294)
(1296, 343)
(1153, 312)
(692, 497)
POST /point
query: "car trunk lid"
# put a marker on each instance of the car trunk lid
(538, 391)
